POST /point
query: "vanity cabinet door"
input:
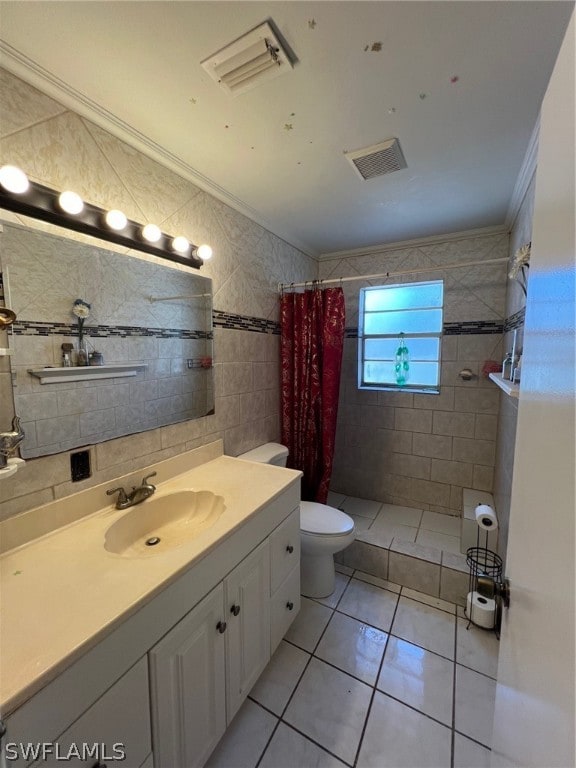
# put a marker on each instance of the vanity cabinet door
(116, 728)
(285, 549)
(247, 591)
(187, 683)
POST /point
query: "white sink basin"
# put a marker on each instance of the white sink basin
(163, 522)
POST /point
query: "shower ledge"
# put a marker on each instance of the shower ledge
(86, 373)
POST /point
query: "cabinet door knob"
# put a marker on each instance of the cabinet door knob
(235, 610)
(289, 549)
(289, 605)
(221, 627)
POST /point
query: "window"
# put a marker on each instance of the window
(386, 312)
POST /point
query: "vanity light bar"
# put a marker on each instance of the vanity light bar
(43, 203)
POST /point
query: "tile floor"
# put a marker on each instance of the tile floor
(375, 676)
(430, 529)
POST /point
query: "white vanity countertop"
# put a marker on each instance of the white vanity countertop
(62, 593)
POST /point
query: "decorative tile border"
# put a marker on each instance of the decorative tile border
(515, 321)
(473, 327)
(32, 328)
(455, 329)
(244, 323)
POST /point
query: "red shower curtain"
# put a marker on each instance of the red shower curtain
(312, 341)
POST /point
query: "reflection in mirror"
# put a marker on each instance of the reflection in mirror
(146, 334)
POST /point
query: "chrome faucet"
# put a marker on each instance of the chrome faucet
(136, 496)
(9, 441)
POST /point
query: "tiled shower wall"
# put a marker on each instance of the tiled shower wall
(421, 450)
(515, 304)
(57, 147)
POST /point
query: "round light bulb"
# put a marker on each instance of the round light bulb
(204, 252)
(151, 233)
(13, 179)
(70, 202)
(180, 244)
(116, 220)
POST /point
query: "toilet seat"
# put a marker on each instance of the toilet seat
(321, 520)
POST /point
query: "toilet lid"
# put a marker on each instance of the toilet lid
(320, 518)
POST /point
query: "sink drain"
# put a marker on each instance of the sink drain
(152, 541)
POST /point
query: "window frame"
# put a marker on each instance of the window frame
(433, 389)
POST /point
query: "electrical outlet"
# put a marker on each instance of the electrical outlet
(80, 466)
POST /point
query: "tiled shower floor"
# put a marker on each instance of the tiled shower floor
(386, 522)
(376, 676)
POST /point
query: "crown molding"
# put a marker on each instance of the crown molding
(501, 229)
(525, 175)
(33, 73)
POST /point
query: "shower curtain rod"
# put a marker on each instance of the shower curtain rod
(456, 265)
(152, 299)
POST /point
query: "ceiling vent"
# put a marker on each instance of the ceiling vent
(252, 59)
(378, 159)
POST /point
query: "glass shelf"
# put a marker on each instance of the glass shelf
(86, 373)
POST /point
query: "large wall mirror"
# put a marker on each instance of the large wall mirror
(147, 335)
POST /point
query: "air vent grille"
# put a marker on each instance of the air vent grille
(252, 59)
(378, 159)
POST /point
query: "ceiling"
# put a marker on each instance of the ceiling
(458, 83)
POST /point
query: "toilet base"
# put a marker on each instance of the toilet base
(317, 576)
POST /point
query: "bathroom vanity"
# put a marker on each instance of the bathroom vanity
(148, 654)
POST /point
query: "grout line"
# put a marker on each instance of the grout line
(369, 710)
(471, 738)
(452, 737)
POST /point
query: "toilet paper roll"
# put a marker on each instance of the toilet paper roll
(486, 517)
(481, 610)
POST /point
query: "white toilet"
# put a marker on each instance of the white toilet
(324, 530)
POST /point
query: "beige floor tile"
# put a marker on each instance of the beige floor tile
(362, 507)
(392, 513)
(419, 678)
(468, 754)
(353, 647)
(330, 707)
(433, 521)
(477, 648)
(474, 705)
(289, 749)
(335, 499)
(396, 530)
(341, 582)
(398, 737)
(344, 569)
(245, 738)
(361, 523)
(439, 540)
(378, 582)
(277, 682)
(425, 626)
(369, 604)
(435, 602)
(309, 624)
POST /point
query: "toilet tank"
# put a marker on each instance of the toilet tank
(269, 453)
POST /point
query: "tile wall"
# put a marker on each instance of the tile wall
(59, 148)
(515, 303)
(421, 450)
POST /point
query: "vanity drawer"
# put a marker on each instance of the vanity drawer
(121, 718)
(284, 549)
(285, 604)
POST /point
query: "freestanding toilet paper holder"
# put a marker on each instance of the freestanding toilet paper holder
(486, 589)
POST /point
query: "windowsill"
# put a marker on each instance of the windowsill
(412, 390)
(510, 387)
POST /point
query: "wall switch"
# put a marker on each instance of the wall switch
(80, 466)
